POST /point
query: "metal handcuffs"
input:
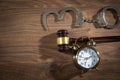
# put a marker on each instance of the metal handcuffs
(79, 19)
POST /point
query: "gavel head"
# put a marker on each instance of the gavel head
(62, 40)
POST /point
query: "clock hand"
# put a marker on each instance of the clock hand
(88, 57)
(82, 57)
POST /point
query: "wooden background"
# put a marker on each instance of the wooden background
(27, 52)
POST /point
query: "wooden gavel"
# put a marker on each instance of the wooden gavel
(63, 41)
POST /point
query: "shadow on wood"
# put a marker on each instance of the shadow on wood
(62, 66)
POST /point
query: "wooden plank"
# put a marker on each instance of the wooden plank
(27, 52)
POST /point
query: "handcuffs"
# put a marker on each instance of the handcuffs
(79, 19)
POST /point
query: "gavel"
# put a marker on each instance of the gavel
(63, 41)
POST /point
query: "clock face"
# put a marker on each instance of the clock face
(87, 58)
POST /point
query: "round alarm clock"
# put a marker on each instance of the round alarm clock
(86, 57)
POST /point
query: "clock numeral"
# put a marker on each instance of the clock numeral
(85, 63)
(92, 53)
(89, 51)
(88, 65)
(80, 56)
(81, 63)
(79, 59)
(94, 56)
(92, 63)
(81, 53)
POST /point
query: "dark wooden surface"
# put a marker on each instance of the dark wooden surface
(27, 52)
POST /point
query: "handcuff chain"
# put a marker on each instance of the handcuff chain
(91, 21)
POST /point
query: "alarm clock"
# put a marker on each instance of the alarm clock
(86, 57)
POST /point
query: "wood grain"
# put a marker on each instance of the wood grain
(27, 52)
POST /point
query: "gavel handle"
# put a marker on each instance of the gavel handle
(97, 39)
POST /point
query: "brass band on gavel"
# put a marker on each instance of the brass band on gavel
(62, 40)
